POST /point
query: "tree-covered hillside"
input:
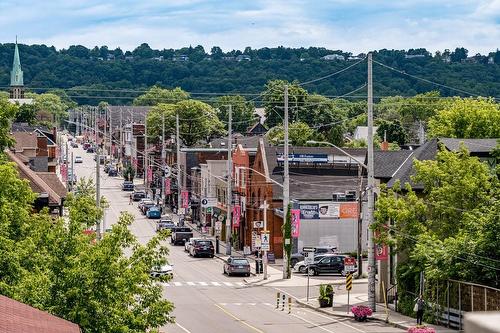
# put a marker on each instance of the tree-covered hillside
(193, 69)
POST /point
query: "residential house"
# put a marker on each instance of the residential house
(36, 148)
(361, 132)
(243, 57)
(17, 317)
(257, 129)
(333, 57)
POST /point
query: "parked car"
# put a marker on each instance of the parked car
(330, 264)
(180, 235)
(301, 266)
(237, 265)
(142, 202)
(127, 186)
(138, 195)
(72, 178)
(202, 247)
(158, 271)
(86, 146)
(74, 144)
(91, 150)
(296, 257)
(154, 212)
(146, 205)
(112, 172)
(78, 159)
(164, 224)
(106, 167)
(189, 244)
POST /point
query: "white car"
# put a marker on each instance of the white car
(78, 159)
(301, 266)
(189, 244)
(163, 270)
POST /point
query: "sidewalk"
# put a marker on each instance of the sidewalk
(340, 309)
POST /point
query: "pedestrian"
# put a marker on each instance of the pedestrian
(130, 199)
(419, 308)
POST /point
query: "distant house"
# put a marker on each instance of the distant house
(333, 57)
(413, 56)
(361, 132)
(181, 57)
(110, 57)
(129, 58)
(228, 58)
(243, 57)
(355, 58)
(17, 317)
(491, 60)
(160, 58)
(257, 129)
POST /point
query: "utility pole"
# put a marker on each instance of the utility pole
(178, 140)
(229, 198)
(120, 161)
(72, 172)
(371, 196)
(265, 251)
(97, 181)
(145, 155)
(110, 114)
(66, 155)
(360, 223)
(286, 189)
(104, 131)
(163, 156)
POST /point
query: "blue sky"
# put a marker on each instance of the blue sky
(350, 25)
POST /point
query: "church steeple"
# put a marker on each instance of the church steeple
(16, 76)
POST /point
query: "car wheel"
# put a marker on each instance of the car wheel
(311, 272)
(302, 269)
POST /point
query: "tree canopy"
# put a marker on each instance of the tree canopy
(156, 95)
(242, 111)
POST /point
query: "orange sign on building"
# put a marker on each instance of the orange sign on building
(348, 210)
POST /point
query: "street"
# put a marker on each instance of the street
(206, 300)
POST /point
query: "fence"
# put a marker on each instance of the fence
(449, 300)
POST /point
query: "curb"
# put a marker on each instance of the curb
(335, 282)
(397, 325)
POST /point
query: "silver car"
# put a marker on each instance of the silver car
(159, 271)
(189, 244)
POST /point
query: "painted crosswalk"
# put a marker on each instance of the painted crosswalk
(203, 284)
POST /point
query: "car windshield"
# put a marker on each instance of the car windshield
(240, 262)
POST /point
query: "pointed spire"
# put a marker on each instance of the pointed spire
(16, 75)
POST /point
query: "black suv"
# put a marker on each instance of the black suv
(202, 247)
(330, 264)
(296, 257)
(127, 186)
(138, 195)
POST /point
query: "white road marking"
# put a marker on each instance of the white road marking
(253, 304)
(215, 283)
(311, 323)
(191, 283)
(268, 304)
(177, 284)
(240, 283)
(183, 328)
(229, 284)
(203, 283)
(237, 303)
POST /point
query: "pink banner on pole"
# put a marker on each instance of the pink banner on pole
(295, 214)
(150, 174)
(167, 186)
(185, 199)
(236, 216)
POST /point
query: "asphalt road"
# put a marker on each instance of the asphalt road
(206, 300)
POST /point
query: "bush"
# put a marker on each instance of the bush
(361, 311)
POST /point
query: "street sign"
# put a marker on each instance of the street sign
(258, 243)
(264, 236)
(348, 282)
(308, 258)
(258, 224)
(349, 264)
(308, 249)
(208, 202)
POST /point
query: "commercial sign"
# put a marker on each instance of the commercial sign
(305, 158)
(328, 210)
(167, 186)
(258, 224)
(349, 264)
(295, 222)
(348, 210)
(236, 216)
(208, 202)
(185, 199)
(150, 174)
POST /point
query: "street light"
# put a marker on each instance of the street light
(359, 250)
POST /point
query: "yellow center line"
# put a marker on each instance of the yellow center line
(241, 321)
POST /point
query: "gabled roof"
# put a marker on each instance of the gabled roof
(257, 128)
(25, 140)
(472, 145)
(37, 184)
(387, 162)
(17, 317)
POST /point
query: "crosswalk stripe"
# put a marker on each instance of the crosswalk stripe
(191, 283)
(268, 304)
(229, 284)
(240, 283)
(215, 283)
(203, 283)
(166, 284)
(177, 284)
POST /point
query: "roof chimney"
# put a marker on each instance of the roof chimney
(384, 145)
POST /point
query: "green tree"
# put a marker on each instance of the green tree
(242, 111)
(197, 121)
(298, 134)
(394, 131)
(155, 121)
(57, 267)
(447, 230)
(26, 114)
(156, 95)
(8, 112)
(327, 116)
(466, 118)
(50, 107)
(273, 100)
